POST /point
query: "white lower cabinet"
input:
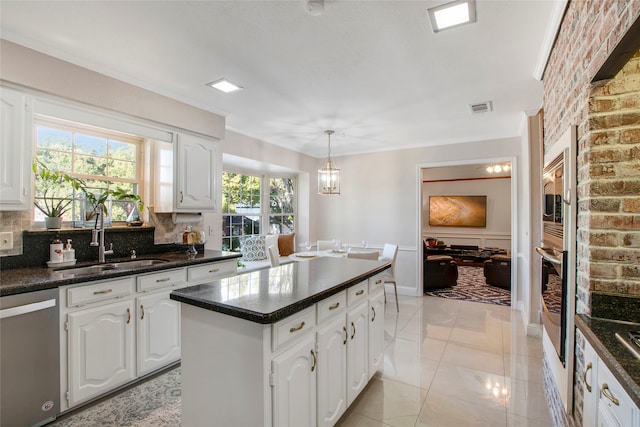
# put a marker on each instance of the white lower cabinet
(332, 371)
(312, 365)
(158, 321)
(339, 361)
(101, 350)
(357, 351)
(590, 391)
(294, 385)
(615, 407)
(114, 331)
(605, 402)
(376, 333)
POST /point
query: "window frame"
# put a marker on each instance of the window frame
(40, 120)
(265, 203)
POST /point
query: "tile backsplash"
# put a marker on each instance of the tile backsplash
(31, 242)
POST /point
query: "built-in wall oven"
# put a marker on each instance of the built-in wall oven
(554, 254)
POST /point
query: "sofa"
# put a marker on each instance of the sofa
(440, 271)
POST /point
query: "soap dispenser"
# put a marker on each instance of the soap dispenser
(55, 252)
(68, 253)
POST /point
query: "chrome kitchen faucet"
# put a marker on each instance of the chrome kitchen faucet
(100, 231)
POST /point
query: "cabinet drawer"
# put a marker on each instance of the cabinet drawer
(357, 293)
(624, 410)
(289, 329)
(161, 279)
(111, 289)
(376, 283)
(213, 271)
(331, 306)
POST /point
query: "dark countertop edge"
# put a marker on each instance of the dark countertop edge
(610, 360)
(268, 318)
(42, 282)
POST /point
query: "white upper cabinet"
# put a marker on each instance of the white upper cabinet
(186, 175)
(15, 151)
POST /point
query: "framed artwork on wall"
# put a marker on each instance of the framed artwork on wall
(458, 211)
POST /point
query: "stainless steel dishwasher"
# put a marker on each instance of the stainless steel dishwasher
(29, 359)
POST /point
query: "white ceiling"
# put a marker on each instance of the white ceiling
(373, 71)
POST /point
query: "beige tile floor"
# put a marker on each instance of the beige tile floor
(454, 363)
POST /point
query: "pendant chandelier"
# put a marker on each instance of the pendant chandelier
(329, 176)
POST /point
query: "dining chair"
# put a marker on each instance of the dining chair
(274, 258)
(389, 253)
(325, 245)
(363, 255)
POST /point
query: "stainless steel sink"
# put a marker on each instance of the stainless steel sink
(113, 266)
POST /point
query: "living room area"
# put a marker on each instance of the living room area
(466, 232)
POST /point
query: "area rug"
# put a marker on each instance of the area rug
(153, 403)
(472, 287)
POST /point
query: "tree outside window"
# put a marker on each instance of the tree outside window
(101, 158)
(243, 213)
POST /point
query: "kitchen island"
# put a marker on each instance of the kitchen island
(286, 346)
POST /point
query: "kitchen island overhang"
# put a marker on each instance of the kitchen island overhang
(252, 352)
(271, 294)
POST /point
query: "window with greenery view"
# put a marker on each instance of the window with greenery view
(103, 159)
(281, 205)
(243, 213)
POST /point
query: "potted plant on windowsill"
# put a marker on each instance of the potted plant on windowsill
(94, 199)
(54, 201)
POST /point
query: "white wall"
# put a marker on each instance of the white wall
(380, 194)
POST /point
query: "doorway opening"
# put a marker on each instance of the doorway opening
(467, 230)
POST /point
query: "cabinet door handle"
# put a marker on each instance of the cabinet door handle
(106, 291)
(166, 279)
(354, 330)
(334, 306)
(607, 393)
(181, 197)
(346, 335)
(214, 270)
(374, 313)
(128, 316)
(360, 292)
(379, 281)
(313, 354)
(142, 310)
(296, 328)
(584, 376)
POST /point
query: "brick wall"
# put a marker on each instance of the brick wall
(608, 116)
(610, 185)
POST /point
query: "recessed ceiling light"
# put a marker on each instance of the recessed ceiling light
(225, 86)
(452, 14)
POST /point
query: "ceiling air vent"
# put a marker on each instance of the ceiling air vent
(482, 107)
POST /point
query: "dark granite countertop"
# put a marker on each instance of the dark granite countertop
(600, 333)
(21, 280)
(268, 295)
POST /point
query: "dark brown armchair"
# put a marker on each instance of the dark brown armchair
(440, 271)
(497, 271)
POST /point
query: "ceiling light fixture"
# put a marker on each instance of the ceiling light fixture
(459, 12)
(329, 176)
(499, 168)
(225, 85)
